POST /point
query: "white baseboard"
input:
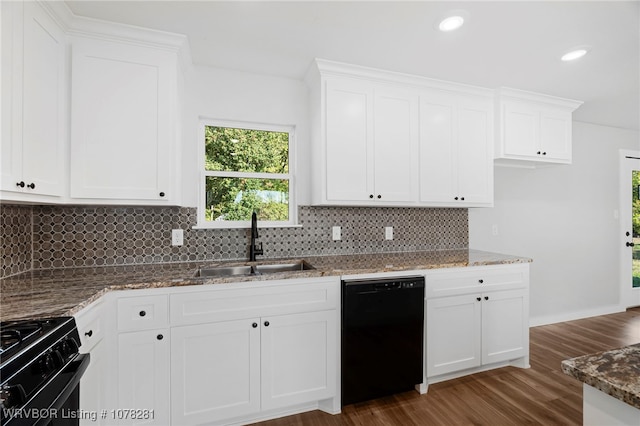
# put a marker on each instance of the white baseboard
(570, 316)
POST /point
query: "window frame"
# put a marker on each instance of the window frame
(203, 174)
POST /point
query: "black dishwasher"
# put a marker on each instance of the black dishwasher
(382, 337)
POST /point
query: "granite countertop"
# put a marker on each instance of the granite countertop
(615, 372)
(60, 292)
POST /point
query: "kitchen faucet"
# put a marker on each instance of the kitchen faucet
(253, 249)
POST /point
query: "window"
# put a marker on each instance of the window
(247, 168)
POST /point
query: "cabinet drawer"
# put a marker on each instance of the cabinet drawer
(228, 304)
(476, 279)
(142, 313)
(90, 326)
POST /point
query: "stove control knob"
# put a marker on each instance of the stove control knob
(67, 348)
(49, 362)
(12, 396)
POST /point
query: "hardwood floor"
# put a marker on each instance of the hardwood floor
(540, 395)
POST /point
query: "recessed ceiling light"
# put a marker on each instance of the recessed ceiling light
(575, 53)
(451, 23)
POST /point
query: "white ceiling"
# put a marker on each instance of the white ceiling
(504, 43)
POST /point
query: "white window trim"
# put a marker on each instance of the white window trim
(291, 176)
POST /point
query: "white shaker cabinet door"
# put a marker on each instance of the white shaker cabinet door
(122, 121)
(505, 326)
(143, 377)
(453, 333)
(298, 358)
(520, 129)
(349, 140)
(33, 104)
(215, 371)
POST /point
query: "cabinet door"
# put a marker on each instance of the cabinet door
(475, 153)
(349, 138)
(91, 387)
(298, 358)
(215, 372)
(505, 325)
(143, 375)
(33, 154)
(555, 134)
(395, 145)
(453, 334)
(520, 127)
(122, 121)
(438, 133)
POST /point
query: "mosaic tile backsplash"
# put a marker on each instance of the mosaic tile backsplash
(42, 237)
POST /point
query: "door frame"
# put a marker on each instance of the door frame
(628, 296)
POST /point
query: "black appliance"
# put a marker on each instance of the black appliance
(382, 337)
(40, 371)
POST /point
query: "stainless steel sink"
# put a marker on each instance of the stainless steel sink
(296, 265)
(256, 269)
(224, 271)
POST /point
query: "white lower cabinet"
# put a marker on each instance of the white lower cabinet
(215, 371)
(143, 378)
(482, 320)
(231, 369)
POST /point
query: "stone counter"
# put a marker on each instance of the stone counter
(59, 292)
(615, 373)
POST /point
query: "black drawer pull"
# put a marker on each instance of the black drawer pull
(142, 313)
(31, 185)
(486, 298)
(481, 281)
(159, 337)
(266, 323)
(254, 325)
(89, 333)
(478, 299)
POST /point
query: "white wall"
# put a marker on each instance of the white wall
(231, 95)
(563, 218)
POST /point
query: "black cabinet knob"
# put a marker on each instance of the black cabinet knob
(20, 184)
(627, 233)
(379, 196)
(31, 185)
(538, 152)
(142, 313)
(544, 153)
(159, 337)
(481, 281)
(370, 195)
(266, 323)
(162, 194)
(254, 325)
(478, 299)
(462, 199)
(89, 333)
(486, 298)
(630, 244)
(456, 198)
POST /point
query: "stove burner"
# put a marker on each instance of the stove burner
(12, 334)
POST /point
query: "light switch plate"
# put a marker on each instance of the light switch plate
(388, 232)
(336, 233)
(177, 237)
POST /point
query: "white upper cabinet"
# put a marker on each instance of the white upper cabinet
(456, 157)
(371, 143)
(123, 121)
(386, 139)
(33, 103)
(533, 128)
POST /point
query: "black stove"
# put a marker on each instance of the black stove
(40, 370)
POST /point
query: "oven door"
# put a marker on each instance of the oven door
(57, 402)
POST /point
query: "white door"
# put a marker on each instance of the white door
(630, 228)
(143, 377)
(215, 371)
(453, 334)
(555, 134)
(395, 145)
(504, 324)
(298, 358)
(349, 140)
(475, 153)
(521, 126)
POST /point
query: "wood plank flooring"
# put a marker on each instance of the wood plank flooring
(540, 395)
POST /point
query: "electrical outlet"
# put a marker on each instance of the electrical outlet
(177, 237)
(494, 230)
(388, 232)
(336, 233)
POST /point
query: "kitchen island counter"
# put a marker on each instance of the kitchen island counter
(609, 378)
(60, 292)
